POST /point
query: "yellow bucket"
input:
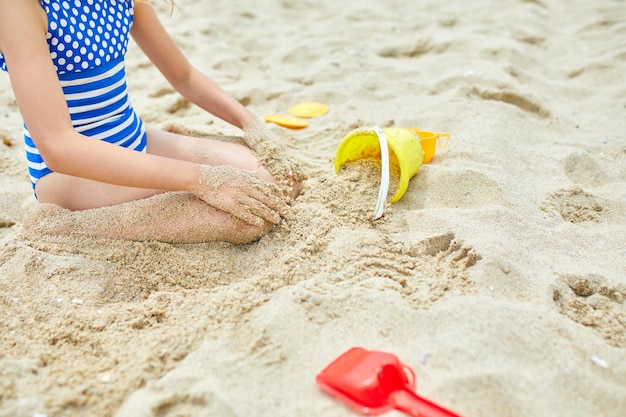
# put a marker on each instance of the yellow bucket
(429, 142)
(405, 154)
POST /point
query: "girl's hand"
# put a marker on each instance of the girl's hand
(241, 193)
(266, 145)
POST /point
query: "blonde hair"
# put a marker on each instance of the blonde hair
(172, 6)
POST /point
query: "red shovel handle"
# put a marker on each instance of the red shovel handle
(416, 406)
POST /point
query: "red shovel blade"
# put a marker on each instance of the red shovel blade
(374, 382)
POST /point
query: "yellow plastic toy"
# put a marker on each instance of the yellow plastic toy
(309, 109)
(429, 142)
(286, 121)
(408, 150)
(405, 154)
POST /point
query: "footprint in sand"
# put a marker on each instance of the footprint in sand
(597, 166)
(420, 272)
(575, 205)
(592, 302)
(513, 98)
(583, 169)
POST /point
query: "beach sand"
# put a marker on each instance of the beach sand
(500, 276)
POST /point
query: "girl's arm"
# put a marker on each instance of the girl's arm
(159, 47)
(157, 44)
(42, 105)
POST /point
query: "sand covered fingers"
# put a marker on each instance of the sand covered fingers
(241, 193)
(257, 207)
(266, 145)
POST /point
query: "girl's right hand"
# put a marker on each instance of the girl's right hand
(243, 194)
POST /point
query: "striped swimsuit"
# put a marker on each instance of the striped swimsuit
(88, 40)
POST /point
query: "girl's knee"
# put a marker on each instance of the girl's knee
(247, 233)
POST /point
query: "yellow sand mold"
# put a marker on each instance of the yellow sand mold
(405, 152)
(286, 121)
(308, 109)
(429, 142)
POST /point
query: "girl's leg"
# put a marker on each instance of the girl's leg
(75, 193)
(210, 152)
(140, 214)
(173, 217)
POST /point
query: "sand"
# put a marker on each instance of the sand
(500, 276)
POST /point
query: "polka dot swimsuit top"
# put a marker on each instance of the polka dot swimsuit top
(84, 34)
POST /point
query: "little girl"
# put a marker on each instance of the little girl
(87, 148)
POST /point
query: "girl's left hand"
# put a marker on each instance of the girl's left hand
(266, 145)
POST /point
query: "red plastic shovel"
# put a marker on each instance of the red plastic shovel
(374, 382)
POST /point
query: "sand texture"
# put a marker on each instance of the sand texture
(499, 277)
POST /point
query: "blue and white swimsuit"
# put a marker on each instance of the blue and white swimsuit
(88, 40)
